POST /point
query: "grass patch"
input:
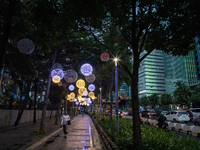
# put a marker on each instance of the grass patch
(41, 132)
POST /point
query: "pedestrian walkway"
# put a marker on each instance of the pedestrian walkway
(82, 134)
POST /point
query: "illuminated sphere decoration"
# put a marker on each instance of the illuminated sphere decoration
(60, 83)
(57, 66)
(80, 83)
(91, 94)
(91, 87)
(56, 79)
(93, 97)
(71, 87)
(81, 90)
(57, 72)
(70, 76)
(104, 56)
(91, 78)
(85, 93)
(68, 97)
(77, 103)
(26, 46)
(86, 69)
(72, 95)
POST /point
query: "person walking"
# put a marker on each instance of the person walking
(65, 118)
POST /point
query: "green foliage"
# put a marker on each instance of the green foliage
(153, 100)
(197, 93)
(129, 103)
(182, 94)
(165, 100)
(152, 138)
(143, 101)
(41, 132)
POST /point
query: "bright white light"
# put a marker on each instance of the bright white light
(115, 59)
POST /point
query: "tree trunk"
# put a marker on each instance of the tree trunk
(6, 30)
(42, 124)
(135, 107)
(35, 97)
(59, 107)
(30, 104)
(51, 111)
(20, 112)
(134, 80)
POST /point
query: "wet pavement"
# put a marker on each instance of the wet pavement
(82, 134)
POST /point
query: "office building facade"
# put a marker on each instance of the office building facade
(152, 74)
(180, 68)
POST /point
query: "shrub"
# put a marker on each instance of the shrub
(152, 138)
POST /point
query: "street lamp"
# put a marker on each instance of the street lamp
(100, 100)
(116, 94)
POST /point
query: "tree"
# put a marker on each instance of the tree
(153, 100)
(149, 25)
(196, 100)
(182, 94)
(143, 101)
(165, 100)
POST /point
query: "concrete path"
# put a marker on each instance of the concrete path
(82, 134)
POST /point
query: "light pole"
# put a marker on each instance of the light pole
(100, 100)
(116, 95)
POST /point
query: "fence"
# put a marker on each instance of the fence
(8, 117)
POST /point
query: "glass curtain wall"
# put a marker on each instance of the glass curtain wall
(152, 74)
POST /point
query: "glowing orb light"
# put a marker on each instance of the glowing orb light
(93, 97)
(60, 83)
(85, 93)
(68, 97)
(56, 79)
(81, 90)
(91, 87)
(104, 56)
(84, 102)
(57, 66)
(71, 87)
(91, 94)
(88, 104)
(26, 46)
(77, 103)
(57, 72)
(86, 69)
(70, 76)
(80, 83)
(91, 78)
(72, 95)
(74, 99)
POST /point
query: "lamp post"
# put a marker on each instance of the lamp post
(100, 100)
(116, 95)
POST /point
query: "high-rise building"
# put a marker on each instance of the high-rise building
(152, 74)
(180, 68)
(125, 90)
(197, 55)
(174, 71)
